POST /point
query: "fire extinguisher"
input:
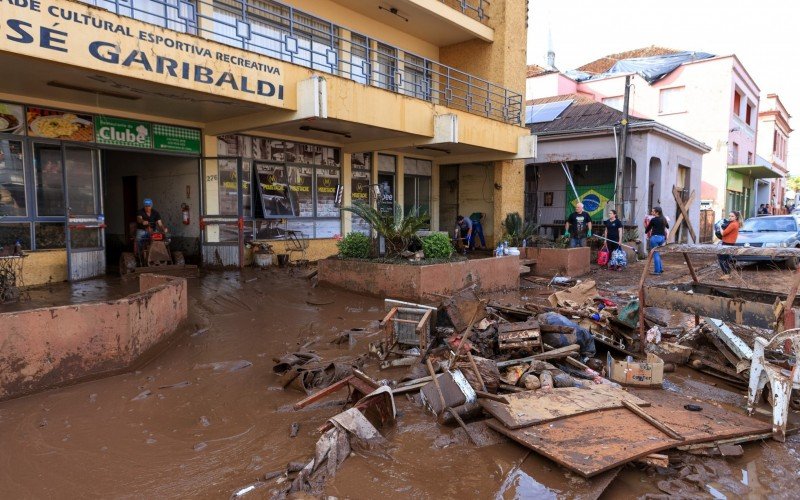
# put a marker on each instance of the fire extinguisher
(185, 214)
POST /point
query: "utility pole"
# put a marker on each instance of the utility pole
(622, 152)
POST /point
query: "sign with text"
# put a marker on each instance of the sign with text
(121, 132)
(83, 36)
(177, 139)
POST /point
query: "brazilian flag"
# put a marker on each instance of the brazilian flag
(594, 199)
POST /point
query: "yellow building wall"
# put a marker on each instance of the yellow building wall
(510, 197)
(44, 266)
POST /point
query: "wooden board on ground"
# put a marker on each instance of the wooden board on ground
(537, 407)
(592, 443)
(522, 335)
(462, 307)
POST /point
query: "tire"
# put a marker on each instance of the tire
(791, 263)
(127, 263)
(178, 259)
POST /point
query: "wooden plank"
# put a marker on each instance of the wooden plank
(653, 421)
(537, 407)
(561, 352)
(592, 443)
(323, 392)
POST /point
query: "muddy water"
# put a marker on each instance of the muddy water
(206, 433)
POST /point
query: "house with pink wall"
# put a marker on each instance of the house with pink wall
(712, 99)
(772, 146)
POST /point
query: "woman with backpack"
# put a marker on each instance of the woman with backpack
(657, 227)
(730, 232)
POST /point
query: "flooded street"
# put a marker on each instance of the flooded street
(207, 416)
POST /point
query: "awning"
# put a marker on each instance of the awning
(755, 171)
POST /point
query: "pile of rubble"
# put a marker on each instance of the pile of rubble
(530, 373)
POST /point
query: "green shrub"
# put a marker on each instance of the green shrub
(437, 246)
(355, 245)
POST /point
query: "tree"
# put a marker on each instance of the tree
(793, 183)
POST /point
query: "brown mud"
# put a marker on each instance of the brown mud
(177, 428)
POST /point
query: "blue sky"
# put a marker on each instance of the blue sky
(765, 35)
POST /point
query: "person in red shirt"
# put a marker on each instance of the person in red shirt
(729, 235)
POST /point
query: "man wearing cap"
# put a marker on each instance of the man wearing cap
(147, 220)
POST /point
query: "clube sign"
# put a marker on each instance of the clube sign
(93, 38)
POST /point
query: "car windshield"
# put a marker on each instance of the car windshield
(769, 224)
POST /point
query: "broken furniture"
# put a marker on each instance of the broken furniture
(591, 441)
(297, 242)
(407, 326)
(359, 383)
(782, 380)
(11, 277)
(752, 307)
(525, 335)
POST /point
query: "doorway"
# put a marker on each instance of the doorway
(171, 181)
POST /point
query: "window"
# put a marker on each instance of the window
(672, 100)
(49, 180)
(749, 158)
(294, 181)
(386, 67)
(361, 180)
(737, 103)
(359, 58)
(416, 78)
(615, 102)
(11, 233)
(733, 154)
(81, 188)
(775, 146)
(12, 180)
(417, 186)
(749, 114)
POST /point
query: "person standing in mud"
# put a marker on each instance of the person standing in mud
(729, 235)
(578, 227)
(613, 231)
(657, 227)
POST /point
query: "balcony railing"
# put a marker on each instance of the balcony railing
(288, 34)
(475, 9)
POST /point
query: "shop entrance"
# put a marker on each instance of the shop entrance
(171, 181)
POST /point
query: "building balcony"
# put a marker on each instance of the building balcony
(287, 34)
(441, 22)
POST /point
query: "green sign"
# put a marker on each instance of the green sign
(179, 139)
(121, 132)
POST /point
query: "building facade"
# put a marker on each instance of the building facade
(251, 120)
(712, 99)
(772, 146)
(577, 161)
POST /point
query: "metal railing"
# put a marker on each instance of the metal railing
(475, 9)
(288, 34)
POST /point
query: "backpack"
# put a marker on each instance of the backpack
(603, 256)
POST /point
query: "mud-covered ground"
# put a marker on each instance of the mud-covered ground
(206, 433)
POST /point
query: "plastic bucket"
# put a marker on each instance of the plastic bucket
(283, 259)
(262, 260)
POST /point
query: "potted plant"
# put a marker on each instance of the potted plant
(398, 230)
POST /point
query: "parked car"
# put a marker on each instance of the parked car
(770, 231)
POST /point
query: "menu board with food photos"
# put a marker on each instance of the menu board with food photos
(12, 118)
(55, 124)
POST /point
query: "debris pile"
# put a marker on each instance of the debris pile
(529, 373)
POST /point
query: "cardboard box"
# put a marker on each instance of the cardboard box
(648, 373)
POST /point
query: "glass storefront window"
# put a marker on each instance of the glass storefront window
(327, 184)
(49, 180)
(11, 233)
(50, 235)
(85, 238)
(12, 179)
(300, 185)
(81, 187)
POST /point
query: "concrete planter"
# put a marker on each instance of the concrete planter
(417, 283)
(562, 261)
(55, 346)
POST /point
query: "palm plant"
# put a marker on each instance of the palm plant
(397, 229)
(515, 231)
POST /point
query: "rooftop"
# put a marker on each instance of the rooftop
(605, 63)
(583, 114)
